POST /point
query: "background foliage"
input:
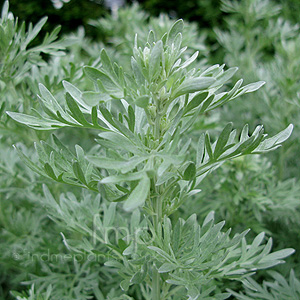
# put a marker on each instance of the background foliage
(257, 192)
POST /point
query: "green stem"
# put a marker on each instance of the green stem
(157, 218)
(155, 284)
(157, 127)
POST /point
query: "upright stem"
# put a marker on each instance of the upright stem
(157, 218)
(155, 284)
(157, 222)
(157, 127)
(157, 207)
(157, 119)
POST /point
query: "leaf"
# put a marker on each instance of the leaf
(161, 252)
(151, 37)
(189, 61)
(189, 172)
(209, 218)
(125, 285)
(123, 177)
(75, 110)
(5, 10)
(208, 146)
(155, 59)
(95, 75)
(283, 135)
(34, 122)
(138, 278)
(256, 242)
(49, 171)
(140, 79)
(273, 142)
(224, 77)
(249, 88)
(75, 93)
(109, 215)
(196, 101)
(222, 140)
(114, 164)
(142, 101)
(106, 63)
(63, 149)
(95, 116)
(78, 172)
(225, 97)
(120, 141)
(193, 85)
(131, 118)
(167, 267)
(51, 103)
(139, 195)
(277, 256)
(114, 264)
(200, 149)
(50, 200)
(107, 115)
(176, 28)
(94, 98)
(2, 108)
(35, 31)
(206, 103)
(28, 162)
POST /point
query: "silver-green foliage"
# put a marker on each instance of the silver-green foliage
(121, 33)
(279, 289)
(17, 56)
(265, 46)
(247, 190)
(141, 120)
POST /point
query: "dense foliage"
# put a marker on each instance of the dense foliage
(127, 179)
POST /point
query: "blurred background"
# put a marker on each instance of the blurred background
(74, 13)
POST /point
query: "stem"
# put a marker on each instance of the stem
(157, 119)
(157, 207)
(158, 210)
(157, 127)
(155, 284)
